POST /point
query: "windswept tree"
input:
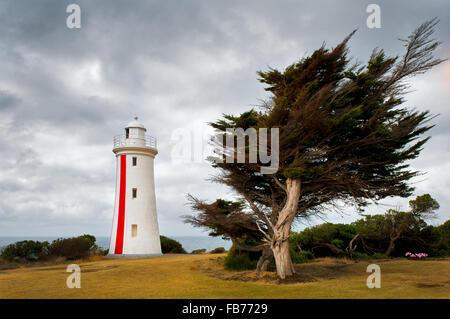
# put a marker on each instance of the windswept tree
(345, 136)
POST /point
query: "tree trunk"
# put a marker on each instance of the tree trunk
(390, 248)
(350, 249)
(282, 229)
(335, 250)
(392, 245)
(265, 259)
(283, 261)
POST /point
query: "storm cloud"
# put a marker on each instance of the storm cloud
(64, 94)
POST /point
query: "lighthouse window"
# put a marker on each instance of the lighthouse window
(133, 230)
(134, 161)
(134, 192)
(127, 132)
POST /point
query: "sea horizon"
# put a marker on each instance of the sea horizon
(189, 242)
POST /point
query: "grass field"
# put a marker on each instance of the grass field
(202, 276)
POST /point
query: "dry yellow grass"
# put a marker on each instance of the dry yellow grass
(200, 276)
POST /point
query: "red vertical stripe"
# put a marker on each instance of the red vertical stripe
(121, 217)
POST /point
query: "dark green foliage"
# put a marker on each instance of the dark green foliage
(423, 205)
(302, 256)
(396, 232)
(73, 248)
(304, 174)
(70, 248)
(444, 237)
(171, 246)
(436, 252)
(357, 255)
(374, 237)
(240, 260)
(28, 249)
(218, 250)
(198, 251)
(319, 238)
(90, 239)
(379, 256)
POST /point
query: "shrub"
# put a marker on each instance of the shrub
(26, 249)
(338, 235)
(73, 248)
(239, 262)
(379, 256)
(302, 256)
(238, 259)
(198, 251)
(439, 252)
(89, 238)
(358, 255)
(171, 246)
(338, 243)
(218, 250)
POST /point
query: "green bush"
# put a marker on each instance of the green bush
(239, 262)
(171, 246)
(90, 239)
(358, 255)
(73, 248)
(27, 249)
(302, 256)
(379, 256)
(198, 251)
(238, 259)
(439, 252)
(218, 250)
(338, 243)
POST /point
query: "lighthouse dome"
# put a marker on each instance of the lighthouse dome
(135, 124)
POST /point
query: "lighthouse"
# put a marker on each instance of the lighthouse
(135, 230)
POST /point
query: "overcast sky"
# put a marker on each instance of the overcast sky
(64, 94)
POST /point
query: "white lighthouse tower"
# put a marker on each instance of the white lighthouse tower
(135, 230)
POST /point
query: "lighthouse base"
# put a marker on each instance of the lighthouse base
(134, 255)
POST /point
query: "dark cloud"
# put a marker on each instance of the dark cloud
(65, 93)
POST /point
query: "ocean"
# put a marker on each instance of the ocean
(189, 243)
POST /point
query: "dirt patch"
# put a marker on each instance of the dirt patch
(50, 269)
(429, 285)
(321, 269)
(99, 269)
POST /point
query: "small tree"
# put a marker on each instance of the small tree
(229, 220)
(337, 239)
(387, 229)
(399, 222)
(343, 136)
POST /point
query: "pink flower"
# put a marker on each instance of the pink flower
(416, 255)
